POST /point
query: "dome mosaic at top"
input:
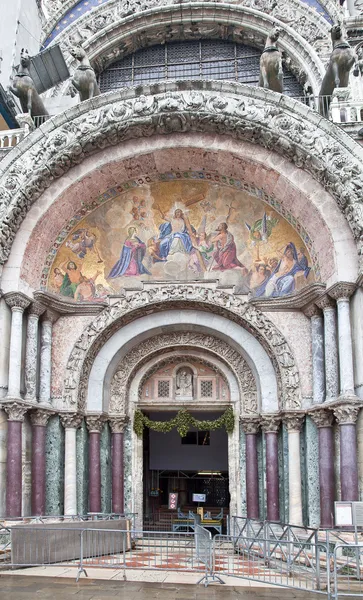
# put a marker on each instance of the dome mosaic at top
(179, 231)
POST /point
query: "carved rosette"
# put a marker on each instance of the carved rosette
(343, 290)
(322, 417)
(71, 420)
(347, 414)
(293, 421)
(250, 425)
(95, 423)
(40, 417)
(270, 423)
(15, 411)
(17, 301)
(118, 424)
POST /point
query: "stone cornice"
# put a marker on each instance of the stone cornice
(343, 289)
(250, 425)
(295, 301)
(64, 306)
(17, 300)
(243, 112)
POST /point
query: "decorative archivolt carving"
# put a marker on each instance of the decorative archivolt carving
(178, 296)
(186, 341)
(248, 113)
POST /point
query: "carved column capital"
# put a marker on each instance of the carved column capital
(50, 315)
(250, 425)
(325, 302)
(36, 309)
(322, 417)
(17, 301)
(346, 414)
(312, 310)
(270, 423)
(118, 424)
(95, 423)
(15, 411)
(293, 421)
(71, 420)
(343, 289)
(40, 417)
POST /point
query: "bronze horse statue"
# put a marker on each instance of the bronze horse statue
(84, 78)
(337, 73)
(23, 87)
(271, 75)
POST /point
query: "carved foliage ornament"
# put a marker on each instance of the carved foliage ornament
(259, 120)
(109, 321)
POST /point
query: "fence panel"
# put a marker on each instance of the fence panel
(348, 570)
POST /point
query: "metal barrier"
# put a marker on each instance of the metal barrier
(348, 570)
(292, 564)
(204, 554)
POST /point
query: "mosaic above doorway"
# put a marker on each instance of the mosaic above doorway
(179, 230)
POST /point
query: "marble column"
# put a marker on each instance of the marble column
(70, 423)
(39, 420)
(323, 419)
(317, 351)
(346, 416)
(16, 412)
(18, 303)
(294, 422)
(251, 427)
(270, 425)
(330, 348)
(341, 292)
(31, 351)
(46, 356)
(117, 425)
(94, 426)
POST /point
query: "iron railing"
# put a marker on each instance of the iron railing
(348, 571)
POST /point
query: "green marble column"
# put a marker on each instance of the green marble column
(106, 469)
(284, 480)
(261, 458)
(312, 473)
(82, 469)
(54, 469)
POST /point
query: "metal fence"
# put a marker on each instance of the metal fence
(348, 571)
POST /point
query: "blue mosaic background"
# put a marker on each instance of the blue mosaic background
(85, 6)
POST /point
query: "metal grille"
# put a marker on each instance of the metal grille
(163, 389)
(203, 59)
(206, 389)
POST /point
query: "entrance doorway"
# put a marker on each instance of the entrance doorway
(194, 467)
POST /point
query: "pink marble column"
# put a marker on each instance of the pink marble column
(39, 420)
(251, 428)
(346, 415)
(270, 425)
(323, 419)
(117, 425)
(16, 412)
(94, 425)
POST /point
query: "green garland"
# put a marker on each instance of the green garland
(183, 421)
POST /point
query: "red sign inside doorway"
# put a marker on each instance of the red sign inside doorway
(173, 501)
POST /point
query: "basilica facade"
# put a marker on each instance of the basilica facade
(181, 248)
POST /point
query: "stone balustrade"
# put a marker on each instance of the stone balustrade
(10, 138)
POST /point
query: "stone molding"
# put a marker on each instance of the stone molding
(117, 423)
(346, 414)
(65, 306)
(342, 290)
(322, 417)
(325, 302)
(71, 420)
(250, 425)
(15, 411)
(297, 300)
(162, 297)
(40, 417)
(95, 423)
(270, 423)
(312, 310)
(293, 421)
(243, 112)
(17, 301)
(147, 349)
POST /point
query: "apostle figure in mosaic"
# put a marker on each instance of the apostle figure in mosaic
(132, 254)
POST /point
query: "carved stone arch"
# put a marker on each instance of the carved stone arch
(116, 30)
(186, 342)
(242, 112)
(175, 296)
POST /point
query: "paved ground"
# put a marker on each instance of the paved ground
(18, 587)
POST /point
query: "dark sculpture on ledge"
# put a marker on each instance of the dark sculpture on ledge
(84, 78)
(337, 73)
(23, 87)
(271, 75)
